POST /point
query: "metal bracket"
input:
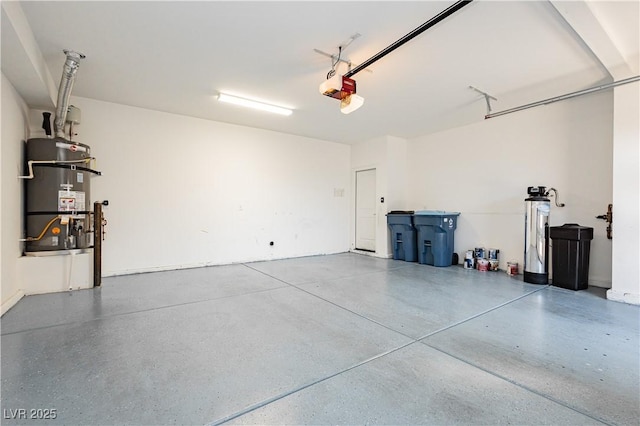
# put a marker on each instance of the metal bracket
(487, 98)
(341, 47)
(335, 58)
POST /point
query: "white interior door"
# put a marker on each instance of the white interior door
(366, 210)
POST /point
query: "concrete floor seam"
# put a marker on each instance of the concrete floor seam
(278, 397)
(308, 385)
(308, 353)
(520, 385)
(421, 340)
(339, 306)
(508, 302)
(364, 362)
(392, 268)
(121, 314)
(393, 329)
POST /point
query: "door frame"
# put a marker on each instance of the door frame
(354, 218)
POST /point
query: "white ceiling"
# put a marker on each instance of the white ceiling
(176, 56)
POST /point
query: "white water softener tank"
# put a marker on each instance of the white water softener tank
(536, 236)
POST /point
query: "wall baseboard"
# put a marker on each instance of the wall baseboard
(630, 298)
(11, 302)
(176, 267)
(600, 283)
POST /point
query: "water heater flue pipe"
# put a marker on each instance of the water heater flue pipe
(64, 91)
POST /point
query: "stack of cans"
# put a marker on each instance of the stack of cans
(469, 260)
(482, 259)
(483, 264)
(492, 256)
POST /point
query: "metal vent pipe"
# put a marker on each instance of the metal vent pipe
(64, 91)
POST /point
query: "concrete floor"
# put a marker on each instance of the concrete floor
(340, 339)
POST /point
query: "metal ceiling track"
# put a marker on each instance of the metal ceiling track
(566, 96)
(416, 32)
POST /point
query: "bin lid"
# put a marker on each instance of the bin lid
(400, 212)
(436, 213)
(571, 231)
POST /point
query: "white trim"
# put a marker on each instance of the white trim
(630, 298)
(352, 203)
(355, 208)
(11, 302)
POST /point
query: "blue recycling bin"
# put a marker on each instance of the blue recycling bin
(403, 235)
(435, 230)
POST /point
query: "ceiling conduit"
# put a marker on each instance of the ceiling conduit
(564, 97)
(422, 28)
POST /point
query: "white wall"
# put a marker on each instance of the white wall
(483, 170)
(626, 195)
(14, 128)
(183, 192)
(187, 192)
(398, 179)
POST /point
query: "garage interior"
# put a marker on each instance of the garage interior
(247, 273)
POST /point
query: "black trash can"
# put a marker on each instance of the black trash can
(570, 255)
(403, 235)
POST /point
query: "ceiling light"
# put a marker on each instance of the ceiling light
(351, 103)
(222, 97)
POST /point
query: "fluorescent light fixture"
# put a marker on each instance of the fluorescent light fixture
(351, 103)
(222, 97)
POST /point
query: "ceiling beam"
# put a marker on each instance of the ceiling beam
(22, 60)
(588, 28)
